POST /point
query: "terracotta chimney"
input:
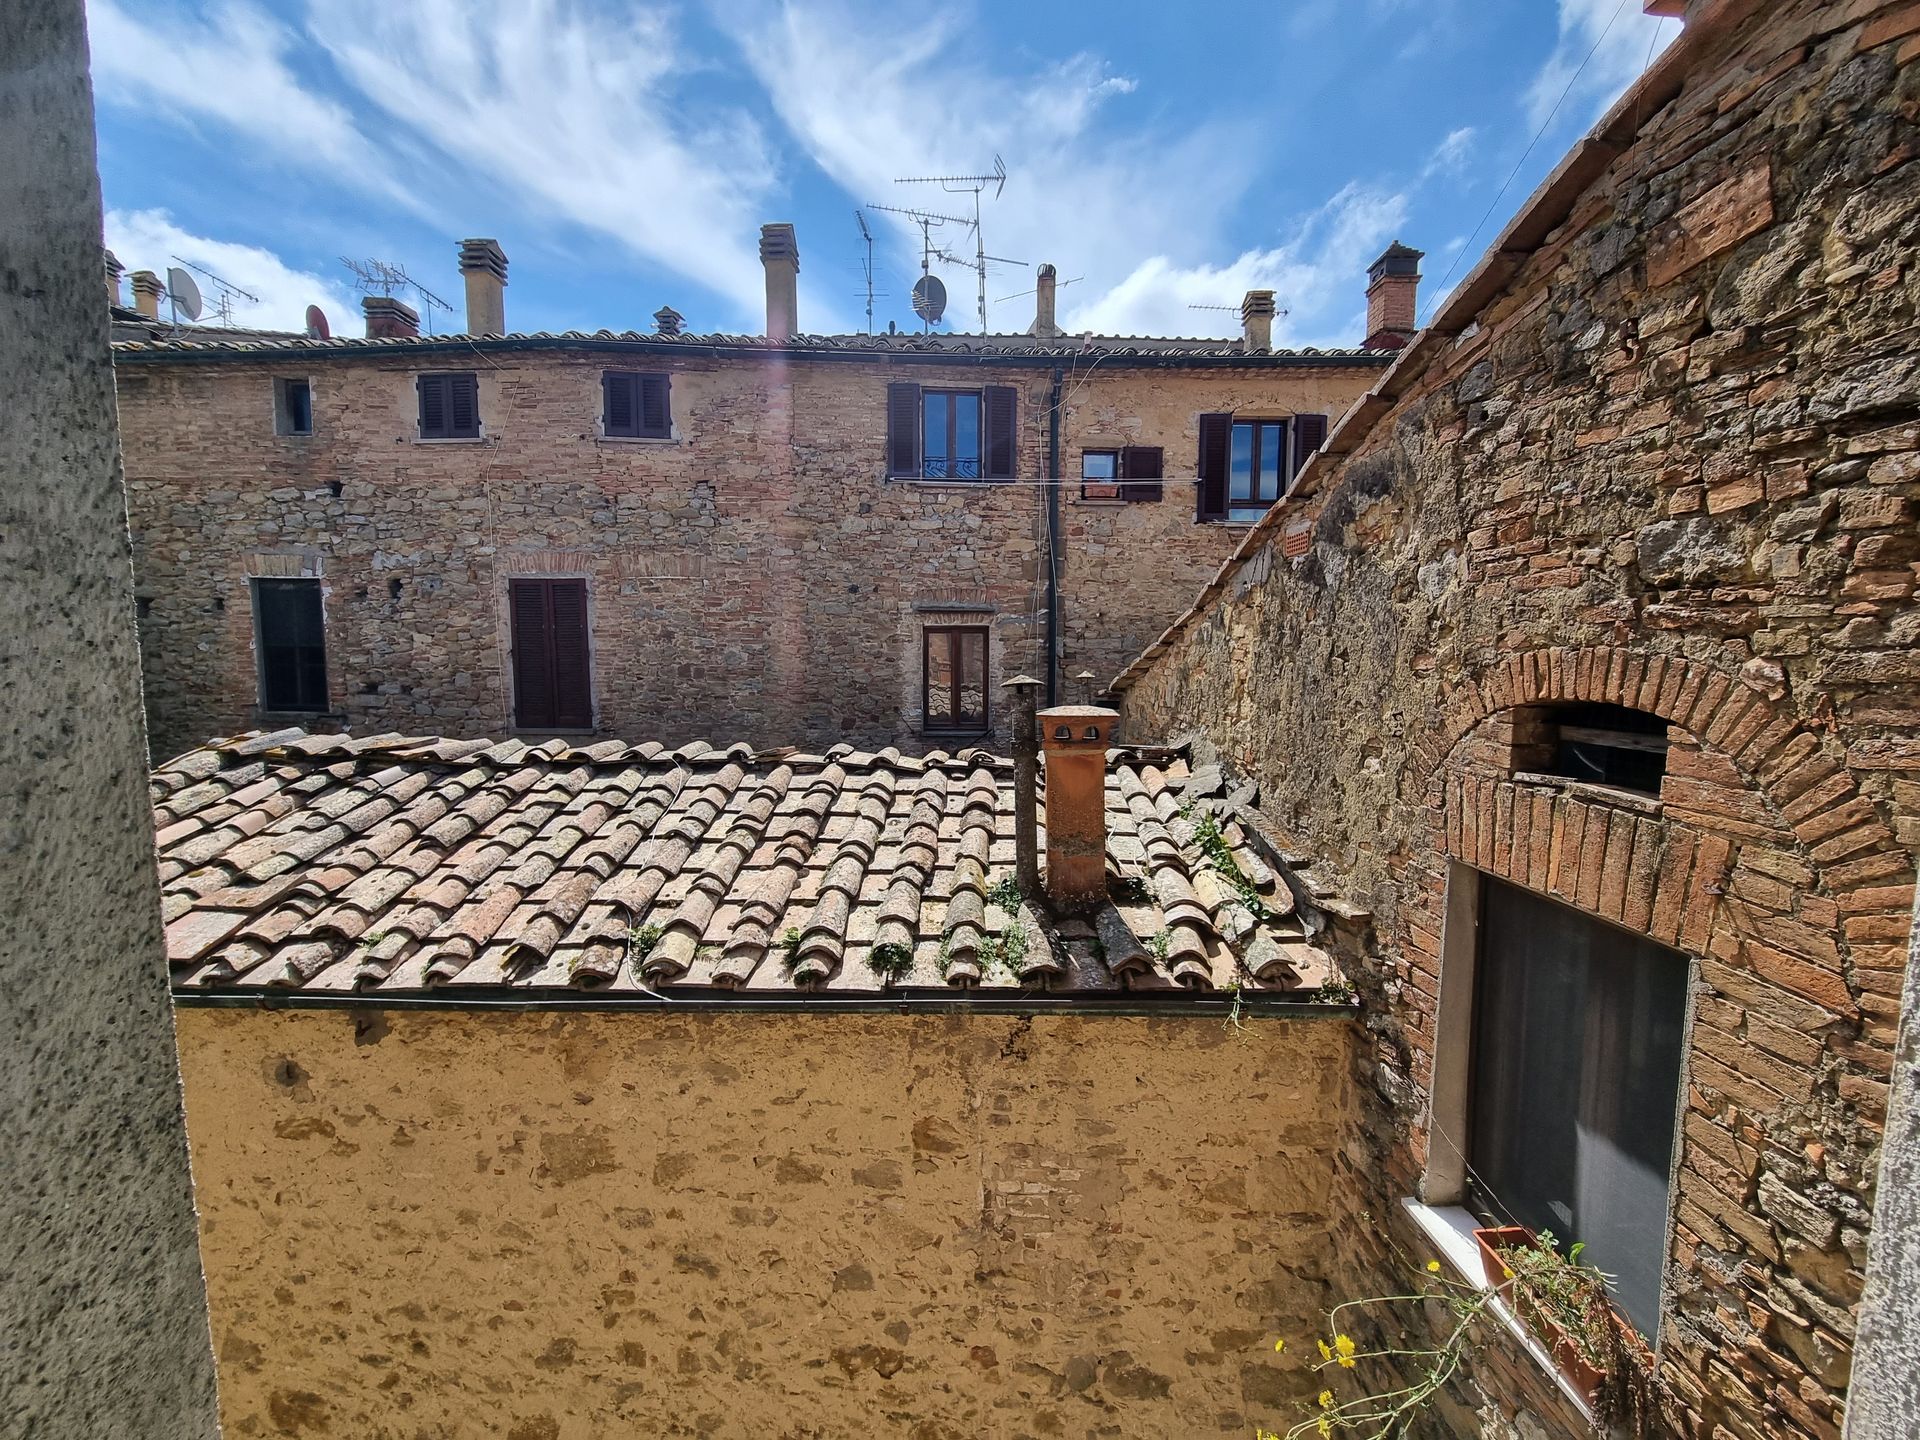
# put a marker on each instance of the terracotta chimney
(1393, 295)
(147, 290)
(667, 320)
(114, 271)
(1256, 320)
(483, 265)
(780, 254)
(390, 319)
(1044, 325)
(1075, 738)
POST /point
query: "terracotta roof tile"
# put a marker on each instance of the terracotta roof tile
(396, 865)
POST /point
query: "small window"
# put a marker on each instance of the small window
(1255, 466)
(954, 674)
(1100, 474)
(636, 405)
(292, 407)
(292, 641)
(1598, 744)
(449, 406)
(1579, 1031)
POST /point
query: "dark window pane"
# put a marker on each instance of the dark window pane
(955, 660)
(1270, 451)
(1240, 465)
(1578, 1032)
(296, 407)
(966, 432)
(292, 640)
(934, 445)
(971, 708)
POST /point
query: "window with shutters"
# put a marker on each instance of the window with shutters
(552, 672)
(954, 679)
(1099, 474)
(636, 405)
(1129, 474)
(292, 407)
(940, 434)
(449, 405)
(290, 636)
(1246, 464)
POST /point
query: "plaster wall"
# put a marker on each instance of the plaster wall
(558, 1226)
(101, 1306)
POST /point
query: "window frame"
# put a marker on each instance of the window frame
(979, 397)
(1107, 489)
(640, 380)
(952, 724)
(449, 432)
(1282, 467)
(283, 411)
(258, 585)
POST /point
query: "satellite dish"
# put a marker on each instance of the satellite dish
(186, 294)
(317, 327)
(929, 299)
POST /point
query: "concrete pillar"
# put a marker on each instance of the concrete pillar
(1256, 321)
(1074, 739)
(1883, 1397)
(780, 255)
(106, 1319)
(483, 265)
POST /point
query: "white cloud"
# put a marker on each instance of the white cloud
(871, 102)
(148, 239)
(573, 114)
(1315, 277)
(1449, 157)
(1626, 39)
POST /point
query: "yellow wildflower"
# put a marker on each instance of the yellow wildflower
(1279, 1344)
(1433, 1267)
(1326, 1399)
(1326, 1426)
(1325, 1353)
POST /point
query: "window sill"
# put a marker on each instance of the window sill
(947, 482)
(1637, 800)
(521, 732)
(451, 439)
(637, 439)
(1449, 1229)
(957, 734)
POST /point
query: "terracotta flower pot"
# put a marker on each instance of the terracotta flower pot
(1580, 1373)
(1492, 1240)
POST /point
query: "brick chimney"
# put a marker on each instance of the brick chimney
(780, 254)
(390, 319)
(483, 265)
(1256, 320)
(147, 291)
(1074, 739)
(114, 271)
(667, 321)
(1393, 297)
(1044, 325)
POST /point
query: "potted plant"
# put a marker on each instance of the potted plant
(1493, 1241)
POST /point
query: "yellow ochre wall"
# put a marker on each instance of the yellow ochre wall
(556, 1225)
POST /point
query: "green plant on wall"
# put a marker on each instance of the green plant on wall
(640, 942)
(890, 960)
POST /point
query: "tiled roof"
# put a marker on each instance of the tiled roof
(395, 866)
(1145, 348)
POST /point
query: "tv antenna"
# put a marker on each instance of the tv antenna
(1059, 284)
(378, 277)
(928, 220)
(184, 295)
(867, 236)
(972, 184)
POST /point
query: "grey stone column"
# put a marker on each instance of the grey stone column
(1883, 1399)
(105, 1319)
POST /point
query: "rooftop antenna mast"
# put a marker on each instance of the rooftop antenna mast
(378, 277)
(224, 296)
(867, 236)
(930, 296)
(973, 184)
(1235, 310)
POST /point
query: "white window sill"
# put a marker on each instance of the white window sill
(638, 439)
(1449, 1229)
(450, 439)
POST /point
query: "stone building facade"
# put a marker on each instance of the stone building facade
(1641, 500)
(752, 560)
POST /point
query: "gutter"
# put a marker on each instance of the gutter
(1053, 540)
(1220, 1008)
(1527, 232)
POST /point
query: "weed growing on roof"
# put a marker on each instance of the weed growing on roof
(790, 944)
(372, 938)
(1161, 944)
(891, 961)
(1133, 889)
(946, 955)
(1099, 948)
(1008, 948)
(1236, 999)
(1213, 844)
(640, 942)
(1005, 893)
(1336, 992)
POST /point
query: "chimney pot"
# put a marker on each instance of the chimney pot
(147, 291)
(1393, 294)
(1044, 325)
(483, 265)
(1076, 743)
(780, 256)
(114, 271)
(667, 321)
(1256, 320)
(390, 319)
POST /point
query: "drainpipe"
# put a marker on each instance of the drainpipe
(1053, 542)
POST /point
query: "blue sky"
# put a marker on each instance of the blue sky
(1162, 155)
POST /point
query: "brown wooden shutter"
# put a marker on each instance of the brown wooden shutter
(1216, 449)
(463, 404)
(1141, 468)
(532, 655)
(1309, 434)
(903, 429)
(572, 683)
(1002, 437)
(622, 412)
(433, 406)
(655, 408)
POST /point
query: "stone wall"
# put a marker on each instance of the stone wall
(1664, 458)
(754, 578)
(100, 1293)
(428, 1224)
